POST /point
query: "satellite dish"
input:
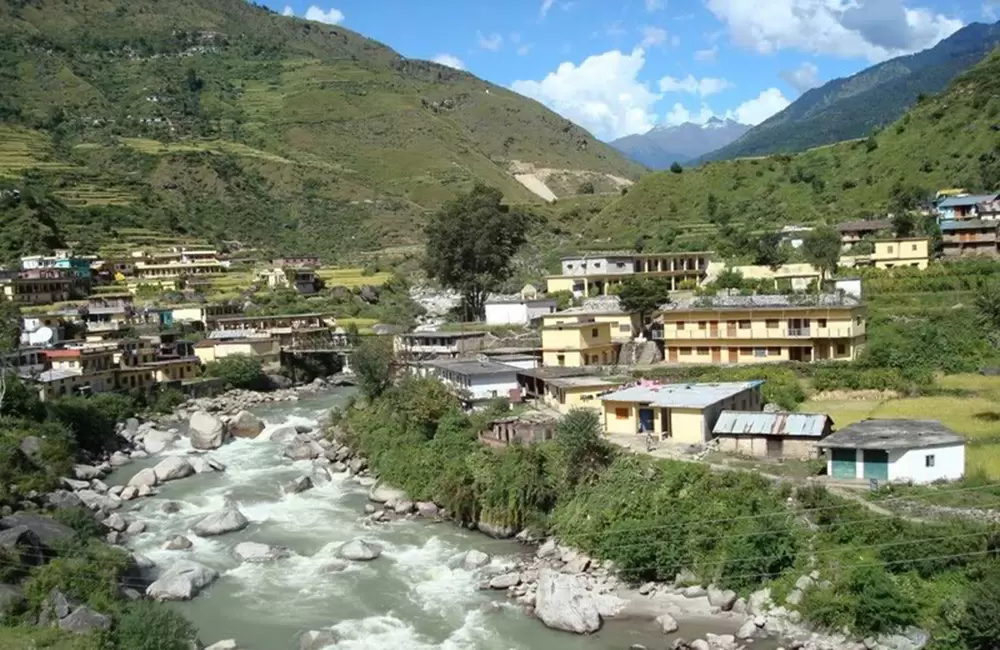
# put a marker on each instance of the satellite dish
(41, 336)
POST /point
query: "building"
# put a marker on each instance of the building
(79, 266)
(917, 451)
(302, 279)
(170, 370)
(577, 344)
(771, 435)
(39, 286)
(794, 236)
(594, 274)
(422, 345)
(54, 383)
(297, 261)
(151, 272)
(894, 253)
(603, 309)
(762, 328)
(965, 206)
(567, 393)
(82, 360)
(266, 349)
(965, 237)
(518, 309)
(205, 314)
(474, 381)
(522, 358)
(528, 428)
(788, 277)
(42, 329)
(684, 413)
(140, 378)
(852, 232)
(132, 353)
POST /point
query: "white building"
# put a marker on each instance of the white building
(474, 381)
(517, 310)
(916, 451)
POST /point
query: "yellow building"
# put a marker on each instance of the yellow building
(604, 309)
(265, 349)
(146, 272)
(913, 252)
(204, 313)
(796, 277)
(566, 393)
(593, 274)
(183, 369)
(578, 344)
(756, 329)
(683, 413)
(58, 382)
(134, 378)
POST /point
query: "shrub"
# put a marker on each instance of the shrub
(676, 168)
(373, 364)
(91, 575)
(239, 371)
(979, 625)
(586, 187)
(149, 626)
(92, 419)
(167, 400)
(583, 452)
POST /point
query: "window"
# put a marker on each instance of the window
(744, 324)
(624, 327)
(620, 265)
(841, 349)
(913, 247)
(703, 351)
(929, 460)
(821, 323)
(746, 352)
(684, 352)
(771, 323)
(702, 324)
(583, 398)
(857, 320)
(593, 333)
(889, 249)
(774, 352)
(561, 359)
(760, 352)
(680, 325)
(621, 413)
(597, 265)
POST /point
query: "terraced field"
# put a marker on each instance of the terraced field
(351, 278)
(22, 149)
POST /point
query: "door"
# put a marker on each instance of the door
(716, 355)
(713, 328)
(844, 464)
(775, 448)
(876, 464)
(646, 418)
(665, 423)
(673, 354)
(731, 329)
(734, 355)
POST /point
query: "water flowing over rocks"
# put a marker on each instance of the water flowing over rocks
(206, 431)
(245, 425)
(256, 552)
(224, 521)
(359, 550)
(182, 581)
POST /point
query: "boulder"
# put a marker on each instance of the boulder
(333, 566)
(505, 580)
(804, 583)
(357, 465)
(646, 588)
(48, 530)
(257, 553)
(11, 601)
(283, 435)
(427, 509)
(178, 543)
(142, 563)
(693, 591)
(382, 493)
(245, 425)
(302, 450)
(56, 607)
(131, 425)
(224, 521)
(135, 528)
(182, 581)
(115, 522)
(794, 597)
(279, 381)
(721, 641)
(21, 546)
(497, 531)
(86, 472)
(99, 486)
(699, 644)
(138, 453)
(317, 639)
(217, 465)
(143, 477)
(471, 560)
(759, 602)
(172, 468)
(685, 578)
(747, 631)
(118, 459)
(31, 446)
(402, 507)
(227, 644)
(359, 550)
(667, 623)
(83, 619)
(579, 564)
(116, 490)
(206, 431)
(338, 468)
(63, 499)
(301, 484)
(563, 603)
(156, 441)
(549, 548)
(723, 599)
(144, 491)
(74, 484)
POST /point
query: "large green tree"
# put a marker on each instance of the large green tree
(644, 295)
(10, 339)
(769, 250)
(470, 243)
(821, 248)
(373, 362)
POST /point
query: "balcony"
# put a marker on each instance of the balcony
(758, 334)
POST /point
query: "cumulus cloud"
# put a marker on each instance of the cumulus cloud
(689, 84)
(991, 10)
(492, 42)
(679, 115)
(450, 60)
(653, 36)
(288, 11)
(874, 29)
(329, 16)
(711, 55)
(602, 94)
(655, 5)
(755, 111)
(546, 6)
(802, 78)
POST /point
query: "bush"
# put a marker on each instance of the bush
(586, 187)
(867, 601)
(149, 626)
(373, 364)
(167, 400)
(979, 625)
(92, 419)
(239, 371)
(91, 575)
(676, 168)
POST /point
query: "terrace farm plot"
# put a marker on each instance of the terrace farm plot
(351, 277)
(22, 149)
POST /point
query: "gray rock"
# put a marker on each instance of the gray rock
(178, 543)
(427, 509)
(21, 546)
(747, 631)
(48, 530)
(138, 453)
(224, 521)
(402, 507)
(56, 607)
(182, 581)
(31, 446)
(667, 623)
(118, 459)
(282, 435)
(143, 477)
(86, 472)
(63, 499)
(333, 566)
(172, 507)
(579, 563)
(217, 465)
(563, 603)
(804, 583)
(11, 601)
(115, 522)
(369, 509)
(75, 484)
(135, 528)
(694, 591)
(245, 425)
(206, 431)
(279, 382)
(759, 602)
(83, 620)
(301, 484)
(145, 491)
(721, 641)
(116, 490)
(227, 644)
(357, 465)
(497, 531)
(359, 550)
(381, 493)
(794, 597)
(131, 425)
(723, 599)
(172, 468)
(99, 486)
(142, 562)
(155, 441)
(97, 501)
(646, 588)
(317, 639)
(338, 467)
(505, 581)
(473, 559)
(685, 578)
(549, 548)
(302, 450)
(740, 606)
(699, 644)
(258, 553)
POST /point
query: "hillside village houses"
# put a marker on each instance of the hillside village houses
(522, 308)
(595, 273)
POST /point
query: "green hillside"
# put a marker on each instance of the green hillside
(950, 140)
(223, 119)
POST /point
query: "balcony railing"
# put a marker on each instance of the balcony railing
(749, 334)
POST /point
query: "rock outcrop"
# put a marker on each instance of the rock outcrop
(563, 603)
(206, 431)
(359, 550)
(245, 425)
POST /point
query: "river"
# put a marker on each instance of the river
(408, 599)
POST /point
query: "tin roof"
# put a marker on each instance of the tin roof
(582, 382)
(681, 395)
(738, 423)
(967, 224)
(864, 225)
(801, 301)
(472, 367)
(962, 201)
(892, 434)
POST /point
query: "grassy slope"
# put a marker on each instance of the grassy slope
(298, 132)
(938, 144)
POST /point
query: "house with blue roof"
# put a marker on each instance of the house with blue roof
(964, 207)
(962, 237)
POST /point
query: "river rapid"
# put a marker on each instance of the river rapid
(408, 599)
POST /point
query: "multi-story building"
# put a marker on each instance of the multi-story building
(578, 343)
(79, 266)
(205, 314)
(853, 232)
(170, 370)
(964, 206)
(593, 274)
(755, 329)
(438, 344)
(297, 261)
(567, 393)
(912, 252)
(603, 309)
(964, 237)
(518, 309)
(39, 286)
(267, 350)
(794, 277)
(172, 270)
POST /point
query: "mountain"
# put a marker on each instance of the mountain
(948, 140)
(852, 107)
(221, 118)
(663, 145)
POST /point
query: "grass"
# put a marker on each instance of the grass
(351, 277)
(22, 149)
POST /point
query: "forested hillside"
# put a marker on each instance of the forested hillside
(221, 118)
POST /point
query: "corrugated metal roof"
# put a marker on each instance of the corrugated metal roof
(772, 424)
(962, 201)
(967, 224)
(681, 395)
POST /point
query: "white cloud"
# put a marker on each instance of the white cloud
(802, 78)
(704, 87)
(755, 111)
(329, 16)
(450, 60)
(653, 36)
(655, 5)
(875, 29)
(493, 42)
(546, 5)
(710, 55)
(679, 115)
(525, 49)
(990, 10)
(288, 11)
(602, 94)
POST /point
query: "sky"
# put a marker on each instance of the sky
(619, 67)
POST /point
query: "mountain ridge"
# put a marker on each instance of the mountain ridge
(663, 145)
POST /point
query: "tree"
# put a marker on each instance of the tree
(871, 144)
(979, 626)
(987, 304)
(239, 371)
(769, 251)
(150, 626)
(728, 278)
(373, 363)
(586, 187)
(821, 248)
(470, 243)
(644, 295)
(10, 339)
(903, 224)
(676, 168)
(584, 453)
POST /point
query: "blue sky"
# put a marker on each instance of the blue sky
(621, 67)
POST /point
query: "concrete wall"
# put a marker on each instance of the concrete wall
(757, 446)
(518, 313)
(566, 399)
(909, 465)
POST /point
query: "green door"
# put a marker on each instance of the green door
(844, 464)
(877, 464)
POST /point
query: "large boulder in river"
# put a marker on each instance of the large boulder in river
(382, 493)
(156, 441)
(497, 531)
(300, 449)
(245, 425)
(317, 639)
(206, 431)
(145, 477)
(359, 550)
(172, 468)
(182, 581)
(295, 486)
(258, 553)
(562, 602)
(283, 435)
(224, 521)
